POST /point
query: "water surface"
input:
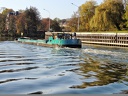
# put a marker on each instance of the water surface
(26, 69)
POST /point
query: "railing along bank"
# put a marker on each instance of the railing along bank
(109, 39)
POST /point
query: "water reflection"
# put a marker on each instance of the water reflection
(96, 73)
(30, 69)
(16, 70)
(7, 38)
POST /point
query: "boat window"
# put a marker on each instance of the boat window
(64, 36)
(60, 36)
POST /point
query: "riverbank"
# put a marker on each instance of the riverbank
(101, 38)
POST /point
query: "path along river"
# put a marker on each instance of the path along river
(26, 69)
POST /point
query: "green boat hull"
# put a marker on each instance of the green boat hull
(72, 43)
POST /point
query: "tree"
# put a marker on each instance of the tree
(2, 24)
(20, 24)
(126, 16)
(125, 3)
(73, 22)
(12, 26)
(32, 19)
(10, 22)
(7, 11)
(45, 24)
(87, 11)
(55, 25)
(108, 16)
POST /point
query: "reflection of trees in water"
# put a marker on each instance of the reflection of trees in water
(103, 73)
(7, 38)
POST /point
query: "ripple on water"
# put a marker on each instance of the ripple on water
(30, 69)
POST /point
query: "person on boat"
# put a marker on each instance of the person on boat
(74, 35)
(53, 35)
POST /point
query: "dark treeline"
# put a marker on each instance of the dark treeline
(110, 15)
(25, 23)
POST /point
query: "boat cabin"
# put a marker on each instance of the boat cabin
(64, 36)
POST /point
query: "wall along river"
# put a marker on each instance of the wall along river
(26, 69)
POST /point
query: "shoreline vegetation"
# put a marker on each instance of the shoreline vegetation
(111, 16)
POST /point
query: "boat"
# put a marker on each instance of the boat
(58, 40)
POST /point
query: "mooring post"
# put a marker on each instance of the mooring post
(116, 37)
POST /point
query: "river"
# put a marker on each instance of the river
(29, 69)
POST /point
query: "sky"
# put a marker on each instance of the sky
(62, 9)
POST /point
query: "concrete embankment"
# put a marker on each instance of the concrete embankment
(108, 39)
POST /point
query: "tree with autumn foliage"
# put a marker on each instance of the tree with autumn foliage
(55, 25)
(20, 24)
(126, 16)
(87, 11)
(32, 19)
(12, 25)
(10, 22)
(27, 22)
(73, 23)
(45, 24)
(2, 24)
(108, 16)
